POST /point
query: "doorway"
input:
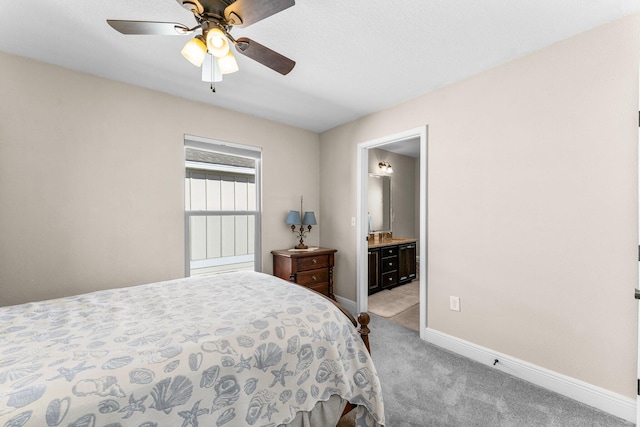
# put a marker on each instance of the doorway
(362, 232)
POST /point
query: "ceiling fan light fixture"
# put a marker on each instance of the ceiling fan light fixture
(217, 42)
(228, 63)
(195, 50)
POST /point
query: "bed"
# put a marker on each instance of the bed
(236, 349)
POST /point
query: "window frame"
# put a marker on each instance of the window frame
(224, 147)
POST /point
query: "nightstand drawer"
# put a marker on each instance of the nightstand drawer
(323, 288)
(313, 277)
(309, 263)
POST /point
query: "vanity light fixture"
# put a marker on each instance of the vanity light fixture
(308, 219)
(385, 167)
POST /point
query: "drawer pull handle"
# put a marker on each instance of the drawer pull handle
(315, 261)
(313, 278)
(390, 264)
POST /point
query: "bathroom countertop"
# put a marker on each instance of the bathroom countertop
(389, 242)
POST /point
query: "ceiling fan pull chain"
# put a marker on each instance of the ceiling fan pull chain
(213, 87)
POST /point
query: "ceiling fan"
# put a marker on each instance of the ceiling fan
(215, 19)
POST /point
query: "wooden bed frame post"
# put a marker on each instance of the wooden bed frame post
(363, 320)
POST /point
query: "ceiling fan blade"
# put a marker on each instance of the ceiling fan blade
(149, 27)
(243, 13)
(264, 55)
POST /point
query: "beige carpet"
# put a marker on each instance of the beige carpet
(389, 303)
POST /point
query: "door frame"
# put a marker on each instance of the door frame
(362, 172)
(638, 281)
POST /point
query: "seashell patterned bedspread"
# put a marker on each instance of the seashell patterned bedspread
(237, 349)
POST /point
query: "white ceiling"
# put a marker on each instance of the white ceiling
(353, 57)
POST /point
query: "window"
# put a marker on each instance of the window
(222, 200)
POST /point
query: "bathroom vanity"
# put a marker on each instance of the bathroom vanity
(392, 262)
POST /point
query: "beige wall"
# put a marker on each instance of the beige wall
(92, 180)
(532, 204)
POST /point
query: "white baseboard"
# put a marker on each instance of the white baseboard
(602, 399)
(597, 397)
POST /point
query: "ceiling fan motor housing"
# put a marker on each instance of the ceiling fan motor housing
(206, 8)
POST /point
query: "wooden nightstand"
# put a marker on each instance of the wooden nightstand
(313, 269)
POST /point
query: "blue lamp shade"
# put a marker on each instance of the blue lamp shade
(309, 218)
(294, 218)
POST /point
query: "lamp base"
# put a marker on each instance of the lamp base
(301, 244)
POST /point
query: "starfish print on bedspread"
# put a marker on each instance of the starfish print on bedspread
(280, 375)
(195, 337)
(191, 417)
(271, 409)
(70, 374)
(273, 314)
(134, 406)
(243, 363)
(337, 379)
(371, 393)
(315, 336)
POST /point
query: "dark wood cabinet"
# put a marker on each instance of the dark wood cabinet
(374, 270)
(407, 262)
(313, 269)
(391, 265)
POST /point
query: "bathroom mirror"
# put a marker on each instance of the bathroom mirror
(379, 203)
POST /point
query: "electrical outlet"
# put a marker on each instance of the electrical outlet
(353, 221)
(454, 303)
